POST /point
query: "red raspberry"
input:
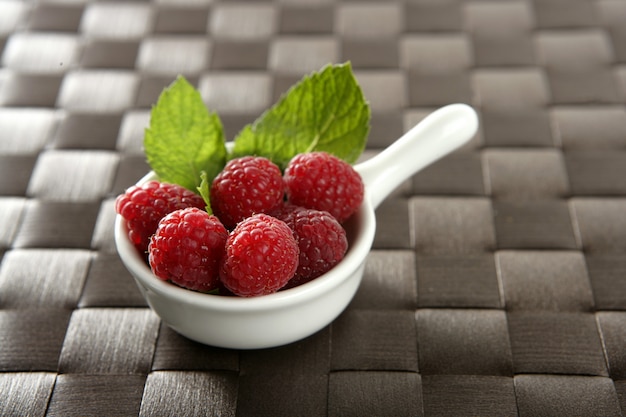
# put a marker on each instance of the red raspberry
(321, 181)
(246, 186)
(261, 256)
(144, 206)
(321, 239)
(187, 249)
(284, 211)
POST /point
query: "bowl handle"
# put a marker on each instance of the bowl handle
(440, 133)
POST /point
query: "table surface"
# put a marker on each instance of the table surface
(496, 285)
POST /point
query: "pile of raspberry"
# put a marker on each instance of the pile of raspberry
(269, 230)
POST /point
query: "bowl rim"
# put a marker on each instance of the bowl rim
(364, 220)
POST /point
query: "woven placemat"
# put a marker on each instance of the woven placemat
(497, 281)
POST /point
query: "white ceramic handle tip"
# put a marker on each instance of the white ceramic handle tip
(440, 133)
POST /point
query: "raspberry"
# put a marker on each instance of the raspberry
(321, 239)
(261, 256)
(246, 186)
(144, 206)
(284, 211)
(324, 182)
(187, 249)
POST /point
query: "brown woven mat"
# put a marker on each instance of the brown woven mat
(497, 282)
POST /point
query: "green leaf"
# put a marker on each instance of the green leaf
(204, 192)
(325, 111)
(184, 138)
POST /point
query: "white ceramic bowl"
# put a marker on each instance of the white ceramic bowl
(290, 315)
